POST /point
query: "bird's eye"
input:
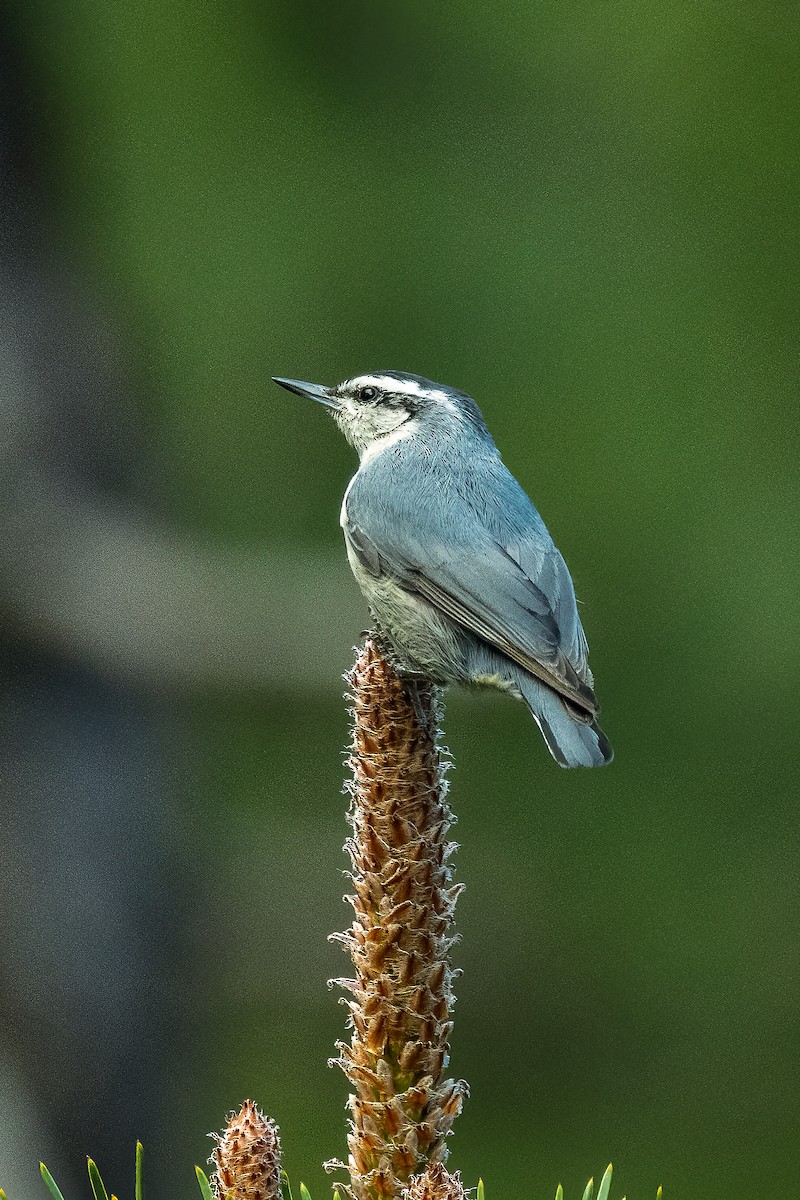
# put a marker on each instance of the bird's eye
(367, 393)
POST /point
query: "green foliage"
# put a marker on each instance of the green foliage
(51, 1183)
(205, 1186)
(605, 1184)
(207, 1194)
(98, 1186)
(100, 1193)
(603, 1191)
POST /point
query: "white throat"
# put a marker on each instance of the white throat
(406, 430)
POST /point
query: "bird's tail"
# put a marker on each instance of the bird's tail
(571, 741)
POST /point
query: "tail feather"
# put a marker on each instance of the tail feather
(571, 741)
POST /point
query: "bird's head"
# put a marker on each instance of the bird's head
(391, 404)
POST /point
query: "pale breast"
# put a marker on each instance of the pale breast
(424, 640)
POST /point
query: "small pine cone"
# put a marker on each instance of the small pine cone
(401, 998)
(247, 1157)
(436, 1183)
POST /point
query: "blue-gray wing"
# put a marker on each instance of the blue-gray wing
(481, 554)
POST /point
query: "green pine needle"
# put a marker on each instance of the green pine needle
(55, 1191)
(304, 1192)
(3, 1196)
(559, 1193)
(285, 1185)
(98, 1187)
(589, 1193)
(139, 1155)
(605, 1184)
(480, 1190)
(205, 1186)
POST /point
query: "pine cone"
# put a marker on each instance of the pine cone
(404, 899)
(435, 1184)
(247, 1157)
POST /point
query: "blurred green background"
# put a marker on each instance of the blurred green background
(586, 216)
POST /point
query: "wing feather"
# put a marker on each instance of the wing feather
(507, 585)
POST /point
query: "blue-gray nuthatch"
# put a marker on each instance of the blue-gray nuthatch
(457, 567)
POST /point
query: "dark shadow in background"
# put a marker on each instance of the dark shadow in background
(87, 908)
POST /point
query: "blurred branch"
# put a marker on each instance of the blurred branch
(142, 601)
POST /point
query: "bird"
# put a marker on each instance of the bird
(459, 571)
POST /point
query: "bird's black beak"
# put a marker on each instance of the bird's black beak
(314, 391)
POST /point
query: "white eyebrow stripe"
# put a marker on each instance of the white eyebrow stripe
(410, 387)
